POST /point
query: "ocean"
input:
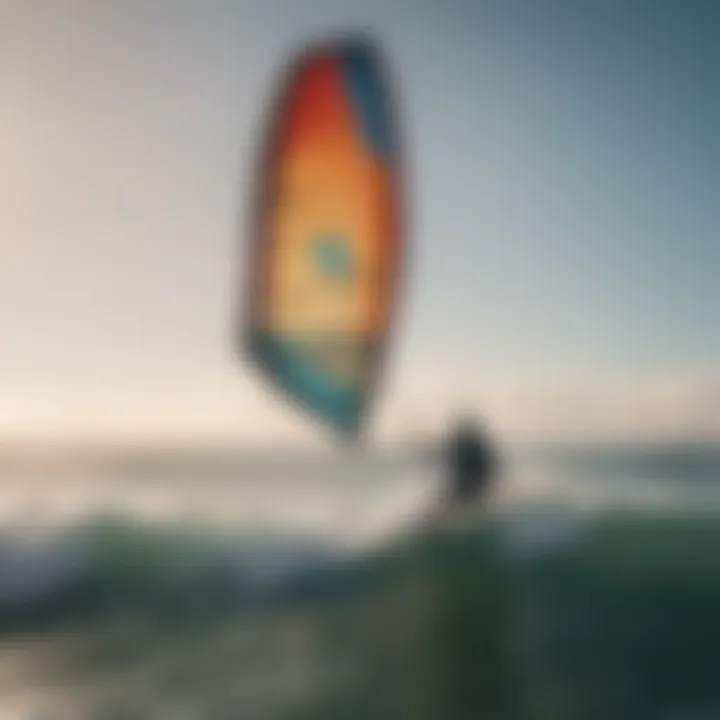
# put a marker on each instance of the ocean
(170, 585)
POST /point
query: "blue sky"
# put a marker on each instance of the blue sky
(564, 192)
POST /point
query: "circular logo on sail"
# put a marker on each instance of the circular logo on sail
(331, 255)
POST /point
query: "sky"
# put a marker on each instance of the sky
(564, 214)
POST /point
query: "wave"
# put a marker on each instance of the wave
(613, 621)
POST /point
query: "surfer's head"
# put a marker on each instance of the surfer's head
(467, 423)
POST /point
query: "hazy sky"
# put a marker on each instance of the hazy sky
(564, 179)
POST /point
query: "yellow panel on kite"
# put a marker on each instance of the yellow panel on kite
(327, 241)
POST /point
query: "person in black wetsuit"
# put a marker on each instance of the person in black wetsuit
(471, 463)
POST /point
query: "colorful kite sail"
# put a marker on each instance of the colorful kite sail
(326, 248)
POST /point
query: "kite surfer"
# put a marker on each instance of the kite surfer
(470, 464)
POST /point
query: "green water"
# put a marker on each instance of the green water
(622, 622)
